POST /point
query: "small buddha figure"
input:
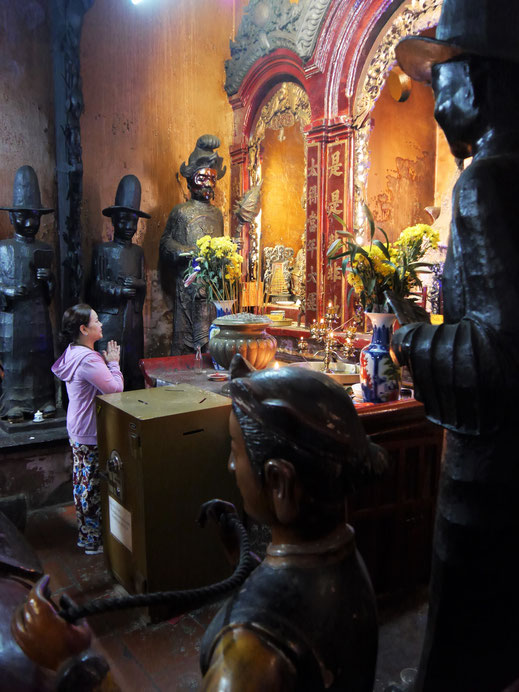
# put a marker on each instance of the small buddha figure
(26, 290)
(119, 282)
(279, 261)
(187, 223)
(299, 272)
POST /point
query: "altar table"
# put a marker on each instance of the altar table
(394, 517)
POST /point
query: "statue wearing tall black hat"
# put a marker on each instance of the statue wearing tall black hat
(119, 281)
(187, 223)
(466, 371)
(26, 289)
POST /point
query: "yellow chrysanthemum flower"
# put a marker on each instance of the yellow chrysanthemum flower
(220, 268)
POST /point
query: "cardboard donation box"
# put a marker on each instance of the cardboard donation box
(165, 452)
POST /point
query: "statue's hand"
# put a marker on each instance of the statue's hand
(15, 291)
(42, 274)
(42, 634)
(128, 284)
(399, 346)
(216, 510)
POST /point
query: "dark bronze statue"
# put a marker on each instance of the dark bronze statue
(187, 223)
(466, 371)
(26, 289)
(119, 282)
(19, 569)
(305, 619)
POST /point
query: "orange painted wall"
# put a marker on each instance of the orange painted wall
(153, 82)
(401, 180)
(27, 107)
(27, 116)
(283, 170)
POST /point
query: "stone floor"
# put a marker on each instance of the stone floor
(163, 657)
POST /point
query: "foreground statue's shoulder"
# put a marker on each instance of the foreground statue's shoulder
(7, 256)
(243, 659)
(490, 176)
(178, 212)
(485, 197)
(176, 222)
(41, 245)
(137, 250)
(100, 248)
(104, 252)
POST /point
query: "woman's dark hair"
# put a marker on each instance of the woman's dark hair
(72, 320)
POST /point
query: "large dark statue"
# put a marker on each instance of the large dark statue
(84, 670)
(26, 290)
(305, 618)
(19, 569)
(466, 371)
(187, 223)
(119, 282)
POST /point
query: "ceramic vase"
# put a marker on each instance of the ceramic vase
(379, 377)
(246, 334)
(223, 307)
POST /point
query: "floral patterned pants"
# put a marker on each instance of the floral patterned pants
(87, 499)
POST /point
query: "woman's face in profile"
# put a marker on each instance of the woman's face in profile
(94, 326)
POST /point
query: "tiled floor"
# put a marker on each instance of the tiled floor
(164, 657)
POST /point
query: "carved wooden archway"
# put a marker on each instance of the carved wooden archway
(342, 63)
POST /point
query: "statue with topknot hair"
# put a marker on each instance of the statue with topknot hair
(187, 223)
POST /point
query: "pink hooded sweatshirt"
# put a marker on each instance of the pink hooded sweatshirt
(86, 374)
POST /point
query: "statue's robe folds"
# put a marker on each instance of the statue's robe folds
(120, 315)
(466, 372)
(192, 314)
(26, 343)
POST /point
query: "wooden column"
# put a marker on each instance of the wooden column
(239, 183)
(328, 182)
(66, 22)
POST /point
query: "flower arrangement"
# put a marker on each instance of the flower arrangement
(407, 251)
(217, 266)
(383, 266)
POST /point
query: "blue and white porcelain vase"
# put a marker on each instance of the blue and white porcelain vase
(223, 307)
(379, 377)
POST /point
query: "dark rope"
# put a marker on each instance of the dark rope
(182, 601)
